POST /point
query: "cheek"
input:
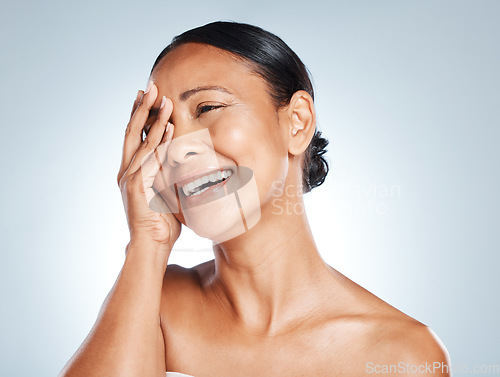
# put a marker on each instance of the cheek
(256, 145)
(247, 139)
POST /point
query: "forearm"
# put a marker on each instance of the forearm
(124, 339)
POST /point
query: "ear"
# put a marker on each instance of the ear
(302, 122)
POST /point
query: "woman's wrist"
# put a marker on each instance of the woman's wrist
(148, 250)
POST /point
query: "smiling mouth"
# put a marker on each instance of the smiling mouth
(206, 188)
(204, 183)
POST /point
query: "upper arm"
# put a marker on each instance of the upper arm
(171, 276)
(161, 365)
(176, 289)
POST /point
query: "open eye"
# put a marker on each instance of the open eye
(205, 108)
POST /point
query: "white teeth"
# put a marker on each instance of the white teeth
(199, 192)
(191, 188)
(214, 177)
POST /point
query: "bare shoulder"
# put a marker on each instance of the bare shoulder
(392, 344)
(408, 341)
(183, 287)
(398, 344)
(381, 339)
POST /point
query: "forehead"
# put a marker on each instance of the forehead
(193, 64)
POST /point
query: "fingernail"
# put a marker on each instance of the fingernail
(163, 101)
(150, 84)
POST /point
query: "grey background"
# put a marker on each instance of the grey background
(406, 91)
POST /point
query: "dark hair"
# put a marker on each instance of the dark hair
(276, 63)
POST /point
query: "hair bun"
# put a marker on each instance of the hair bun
(316, 165)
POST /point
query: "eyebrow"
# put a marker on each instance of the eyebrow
(188, 93)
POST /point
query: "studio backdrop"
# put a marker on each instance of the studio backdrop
(405, 91)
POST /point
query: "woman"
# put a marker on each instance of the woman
(230, 147)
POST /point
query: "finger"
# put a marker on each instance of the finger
(169, 133)
(160, 185)
(149, 171)
(151, 167)
(133, 133)
(140, 93)
(154, 137)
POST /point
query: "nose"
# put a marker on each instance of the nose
(183, 149)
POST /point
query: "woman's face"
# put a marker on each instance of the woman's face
(223, 117)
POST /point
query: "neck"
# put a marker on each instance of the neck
(269, 276)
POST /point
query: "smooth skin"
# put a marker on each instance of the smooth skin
(268, 304)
